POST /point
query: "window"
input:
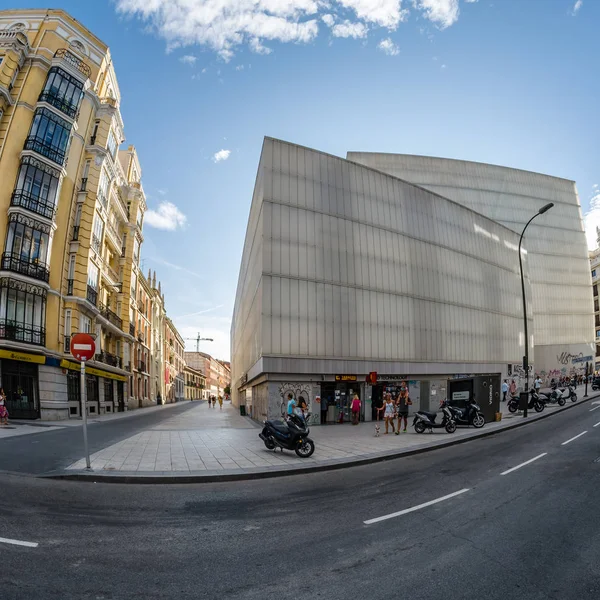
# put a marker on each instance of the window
(598, 333)
(49, 135)
(133, 283)
(136, 250)
(71, 273)
(112, 144)
(85, 324)
(62, 91)
(92, 276)
(67, 346)
(27, 247)
(593, 272)
(22, 311)
(595, 290)
(103, 187)
(97, 232)
(36, 188)
(13, 79)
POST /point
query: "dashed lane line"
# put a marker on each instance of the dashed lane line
(527, 462)
(574, 438)
(18, 543)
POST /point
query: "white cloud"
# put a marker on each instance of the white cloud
(347, 29)
(471, 1)
(592, 219)
(443, 67)
(167, 216)
(227, 25)
(204, 70)
(162, 192)
(441, 12)
(188, 59)
(221, 155)
(388, 47)
(239, 68)
(577, 7)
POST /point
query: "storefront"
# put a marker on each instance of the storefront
(336, 399)
(20, 381)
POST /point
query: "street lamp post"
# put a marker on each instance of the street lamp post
(542, 210)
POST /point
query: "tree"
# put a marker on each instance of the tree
(227, 390)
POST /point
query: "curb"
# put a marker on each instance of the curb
(252, 474)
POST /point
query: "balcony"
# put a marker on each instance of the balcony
(111, 316)
(141, 337)
(132, 329)
(40, 146)
(35, 269)
(67, 346)
(142, 366)
(33, 204)
(75, 62)
(70, 283)
(83, 187)
(92, 140)
(92, 295)
(123, 250)
(55, 99)
(19, 332)
(96, 243)
(109, 359)
(75, 233)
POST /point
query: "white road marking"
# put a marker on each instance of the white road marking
(595, 408)
(523, 464)
(412, 509)
(574, 438)
(596, 425)
(18, 543)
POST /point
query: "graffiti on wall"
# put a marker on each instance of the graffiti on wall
(298, 390)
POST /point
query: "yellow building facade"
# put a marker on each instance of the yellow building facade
(195, 382)
(71, 216)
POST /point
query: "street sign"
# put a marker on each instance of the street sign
(83, 346)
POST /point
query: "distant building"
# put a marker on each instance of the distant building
(195, 382)
(595, 271)
(217, 373)
(174, 363)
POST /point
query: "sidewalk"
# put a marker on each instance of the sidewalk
(208, 443)
(25, 427)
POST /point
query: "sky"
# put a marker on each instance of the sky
(508, 82)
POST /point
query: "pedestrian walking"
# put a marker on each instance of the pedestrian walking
(355, 406)
(220, 402)
(537, 384)
(402, 405)
(3, 409)
(291, 405)
(512, 388)
(504, 389)
(303, 407)
(324, 407)
(389, 412)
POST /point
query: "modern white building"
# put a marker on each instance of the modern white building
(348, 269)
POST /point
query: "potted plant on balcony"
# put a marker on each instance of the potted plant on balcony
(10, 330)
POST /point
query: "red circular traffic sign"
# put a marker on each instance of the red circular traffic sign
(83, 346)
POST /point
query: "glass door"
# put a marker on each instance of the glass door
(20, 383)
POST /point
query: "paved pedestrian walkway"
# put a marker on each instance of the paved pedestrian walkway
(207, 440)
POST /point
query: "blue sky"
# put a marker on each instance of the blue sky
(510, 82)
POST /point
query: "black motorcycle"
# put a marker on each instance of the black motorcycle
(427, 420)
(469, 415)
(291, 434)
(535, 401)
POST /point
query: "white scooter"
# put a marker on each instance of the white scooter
(561, 395)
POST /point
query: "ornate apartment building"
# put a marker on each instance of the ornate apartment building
(174, 363)
(216, 372)
(71, 215)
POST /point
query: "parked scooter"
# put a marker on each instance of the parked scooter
(566, 393)
(470, 415)
(535, 401)
(291, 434)
(427, 420)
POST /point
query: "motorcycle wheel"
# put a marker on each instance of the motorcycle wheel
(512, 407)
(574, 398)
(269, 444)
(539, 406)
(420, 427)
(451, 426)
(478, 421)
(561, 401)
(305, 449)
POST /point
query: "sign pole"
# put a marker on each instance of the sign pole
(84, 416)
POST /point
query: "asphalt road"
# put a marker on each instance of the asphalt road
(48, 451)
(533, 533)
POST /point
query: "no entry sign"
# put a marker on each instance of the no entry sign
(83, 346)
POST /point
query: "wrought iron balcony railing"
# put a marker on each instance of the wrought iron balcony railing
(70, 283)
(71, 59)
(67, 347)
(112, 317)
(92, 295)
(35, 269)
(96, 243)
(55, 99)
(20, 332)
(40, 146)
(131, 329)
(142, 366)
(109, 359)
(75, 233)
(33, 204)
(83, 187)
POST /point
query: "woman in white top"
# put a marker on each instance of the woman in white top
(389, 412)
(3, 410)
